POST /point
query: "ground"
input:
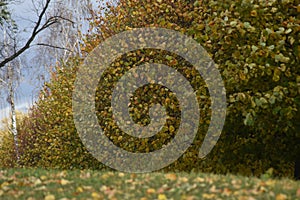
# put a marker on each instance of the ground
(38, 184)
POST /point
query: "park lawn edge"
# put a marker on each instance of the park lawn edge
(33, 184)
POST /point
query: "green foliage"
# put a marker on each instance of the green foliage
(256, 47)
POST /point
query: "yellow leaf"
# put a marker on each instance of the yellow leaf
(151, 191)
(276, 76)
(213, 189)
(242, 76)
(97, 196)
(270, 182)
(4, 184)
(208, 196)
(171, 177)
(183, 179)
(162, 197)
(64, 182)
(50, 197)
(171, 129)
(227, 192)
(184, 197)
(199, 180)
(253, 13)
(281, 197)
(79, 189)
(43, 178)
(246, 198)
(37, 182)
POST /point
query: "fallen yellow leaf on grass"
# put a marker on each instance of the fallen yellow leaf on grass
(64, 182)
(43, 178)
(208, 196)
(213, 189)
(87, 187)
(85, 175)
(37, 182)
(188, 198)
(105, 176)
(60, 190)
(281, 197)
(199, 180)
(4, 184)
(151, 191)
(79, 189)
(171, 177)
(270, 182)
(227, 192)
(97, 196)
(246, 198)
(50, 197)
(62, 174)
(104, 188)
(183, 179)
(162, 197)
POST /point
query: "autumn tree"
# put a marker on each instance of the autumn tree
(8, 155)
(9, 80)
(10, 74)
(11, 50)
(62, 41)
(258, 59)
(256, 53)
(43, 23)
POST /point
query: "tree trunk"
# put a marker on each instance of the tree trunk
(11, 102)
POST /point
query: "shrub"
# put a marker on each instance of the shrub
(256, 48)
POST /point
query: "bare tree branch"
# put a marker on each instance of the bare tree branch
(67, 33)
(52, 46)
(36, 30)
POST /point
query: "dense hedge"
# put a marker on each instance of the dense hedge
(8, 156)
(256, 47)
(49, 138)
(7, 150)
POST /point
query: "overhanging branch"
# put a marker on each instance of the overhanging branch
(52, 46)
(36, 30)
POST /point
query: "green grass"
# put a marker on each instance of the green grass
(39, 184)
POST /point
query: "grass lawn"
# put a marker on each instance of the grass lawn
(39, 184)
